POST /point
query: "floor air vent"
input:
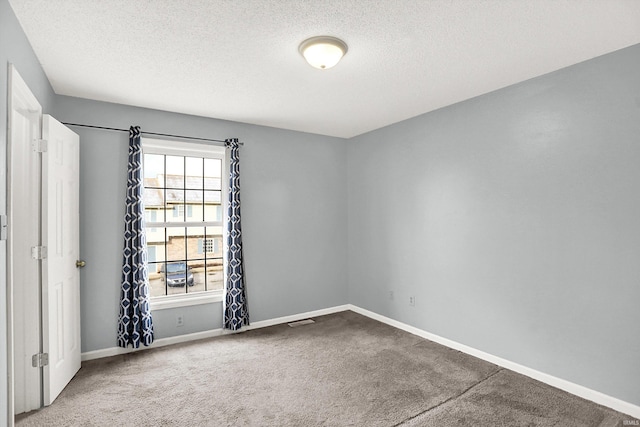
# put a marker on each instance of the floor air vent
(301, 323)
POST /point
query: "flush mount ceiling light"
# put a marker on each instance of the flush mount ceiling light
(323, 51)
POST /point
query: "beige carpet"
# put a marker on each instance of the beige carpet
(343, 370)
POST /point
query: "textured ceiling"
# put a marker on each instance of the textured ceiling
(239, 60)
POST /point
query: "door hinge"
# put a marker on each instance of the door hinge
(39, 252)
(3, 227)
(39, 360)
(39, 145)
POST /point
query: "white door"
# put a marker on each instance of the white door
(60, 274)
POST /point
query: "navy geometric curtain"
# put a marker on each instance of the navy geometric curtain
(236, 312)
(135, 325)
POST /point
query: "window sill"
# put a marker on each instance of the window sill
(173, 301)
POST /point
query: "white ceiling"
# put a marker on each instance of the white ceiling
(239, 60)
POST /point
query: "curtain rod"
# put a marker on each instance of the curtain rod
(149, 133)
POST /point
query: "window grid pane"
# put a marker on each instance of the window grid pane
(179, 190)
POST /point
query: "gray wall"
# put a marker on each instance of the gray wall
(513, 220)
(293, 205)
(15, 49)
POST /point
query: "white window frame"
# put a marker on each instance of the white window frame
(190, 149)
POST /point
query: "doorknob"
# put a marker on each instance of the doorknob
(80, 263)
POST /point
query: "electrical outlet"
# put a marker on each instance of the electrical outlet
(179, 320)
(412, 301)
(391, 295)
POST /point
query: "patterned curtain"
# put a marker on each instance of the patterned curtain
(135, 325)
(236, 313)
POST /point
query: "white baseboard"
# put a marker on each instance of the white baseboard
(161, 342)
(578, 390)
(296, 317)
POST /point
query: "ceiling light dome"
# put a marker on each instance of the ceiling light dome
(323, 51)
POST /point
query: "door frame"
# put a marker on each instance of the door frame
(17, 87)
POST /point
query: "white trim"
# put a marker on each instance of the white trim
(296, 317)
(568, 386)
(186, 223)
(19, 97)
(162, 342)
(182, 148)
(186, 300)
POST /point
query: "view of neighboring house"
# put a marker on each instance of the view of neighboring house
(183, 215)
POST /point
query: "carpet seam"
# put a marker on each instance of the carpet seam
(401, 423)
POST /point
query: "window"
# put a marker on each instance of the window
(151, 215)
(183, 201)
(209, 245)
(178, 211)
(151, 253)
